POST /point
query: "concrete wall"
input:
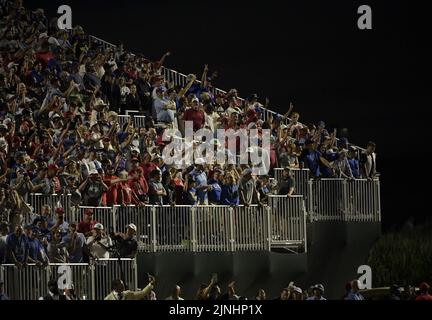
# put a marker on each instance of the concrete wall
(335, 250)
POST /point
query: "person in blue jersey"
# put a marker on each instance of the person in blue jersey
(230, 192)
(215, 189)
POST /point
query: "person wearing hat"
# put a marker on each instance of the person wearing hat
(126, 243)
(424, 292)
(61, 224)
(195, 114)
(35, 250)
(86, 225)
(16, 246)
(318, 291)
(92, 189)
(247, 189)
(99, 243)
(119, 291)
(353, 162)
(163, 107)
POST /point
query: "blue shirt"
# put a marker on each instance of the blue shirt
(18, 246)
(312, 160)
(230, 194)
(201, 180)
(214, 195)
(34, 248)
(355, 167)
(75, 256)
(354, 296)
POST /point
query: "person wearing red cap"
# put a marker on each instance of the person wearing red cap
(61, 224)
(86, 225)
(424, 292)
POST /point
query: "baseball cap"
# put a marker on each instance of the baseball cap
(98, 226)
(88, 212)
(132, 226)
(59, 210)
(320, 287)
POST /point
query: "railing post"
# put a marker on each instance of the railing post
(310, 199)
(269, 227)
(154, 229)
(378, 214)
(114, 219)
(93, 281)
(304, 226)
(194, 229)
(231, 225)
(345, 211)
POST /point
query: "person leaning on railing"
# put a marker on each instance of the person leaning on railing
(119, 293)
(286, 185)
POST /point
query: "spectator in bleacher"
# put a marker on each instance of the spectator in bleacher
(318, 291)
(36, 251)
(41, 183)
(284, 295)
(56, 250)
(156, 189)
(60, 222)
(3, 237)
(190, 195)
(261, 295)
(175, 295)
(17, 250)
(126, 243)
(342, 166)
(53, 291)
(230, 192)
(354, 293)
(424, 294)
(120, 293)
(164, 107)
(215, 190)
(368, 161)
(353, 162)
(86, 225)
(199, 175)
(75, 242)
(92, 189)
(46, 213)
(195, 114)
(99, 243)
(247, 190)
(286, 185)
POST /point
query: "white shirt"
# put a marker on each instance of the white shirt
(97, 249)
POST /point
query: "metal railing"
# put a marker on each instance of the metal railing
(288, 223)
(38, 200)
(344, 200)
(301, 181)
(89, 281)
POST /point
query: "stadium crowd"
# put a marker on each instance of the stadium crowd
(60, 100)
(213, 291)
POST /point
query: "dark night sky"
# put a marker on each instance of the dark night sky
(308, 52)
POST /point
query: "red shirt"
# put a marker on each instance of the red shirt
(196, 116)
(149, 167)
(85, 227)
(424, 297)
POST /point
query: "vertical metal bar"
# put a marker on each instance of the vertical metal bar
(153, 233)
(231, 226)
